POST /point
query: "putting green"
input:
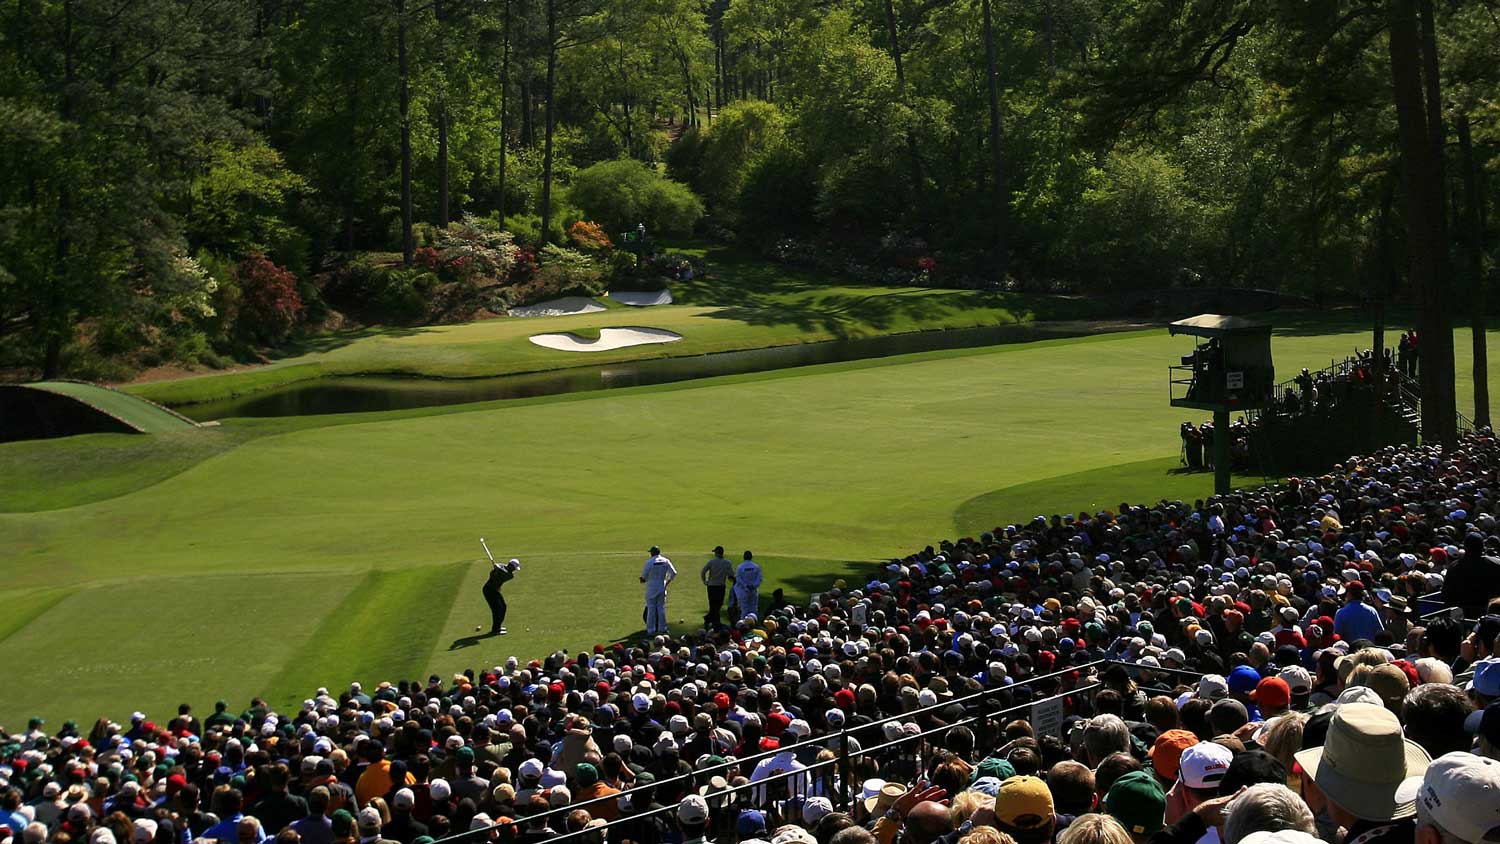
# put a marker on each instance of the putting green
(320, 550)
(746, 303)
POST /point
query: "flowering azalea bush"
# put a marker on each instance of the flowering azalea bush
(525, 265)
(474, 247)
(270, 304)
(589, 236)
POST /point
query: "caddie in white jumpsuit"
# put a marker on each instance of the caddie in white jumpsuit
(656, 574)
(747, 579)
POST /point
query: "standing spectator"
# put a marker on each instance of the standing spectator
(715, 574)
(1137, 802)
(315, 827)
(1474, 579)
(1365, 775)
(403, 827)
(1459, 800)
(747, 580)
(657, 574)
(1357, 620)
(277, 809)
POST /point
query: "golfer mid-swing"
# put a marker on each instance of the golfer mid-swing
(500, 573)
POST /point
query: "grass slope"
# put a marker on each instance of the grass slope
(67, 472)
(816, 469)
(1104, 488)
(745, 304)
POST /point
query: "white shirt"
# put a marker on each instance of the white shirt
(782, 763)
(658, 572)
(747, 576)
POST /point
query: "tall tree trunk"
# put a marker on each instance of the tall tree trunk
(504, 99)
(894, 33)
(1049, 26)
(1474, 263)
(549, 119)
(55, 322)
(1382, 280)
(408, 244)
(1422, 173)
(528, 133)
(442, 115)
(1001, 248)
(719, 65)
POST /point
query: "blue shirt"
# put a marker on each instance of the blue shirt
(1357, 620)
(225, 830)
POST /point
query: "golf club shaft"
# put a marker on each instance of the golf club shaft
(486, 549)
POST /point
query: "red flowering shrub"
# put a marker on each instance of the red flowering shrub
(270, 305)
(428, 259)
(525, 266)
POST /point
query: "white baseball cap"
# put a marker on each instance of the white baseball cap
(1297, 679)
(1461, 792)
(693, 810)
(1284, 836)
(1213, 687)
(1204, 764)
(815, 809)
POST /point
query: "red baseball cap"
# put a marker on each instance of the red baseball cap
(1272, 691)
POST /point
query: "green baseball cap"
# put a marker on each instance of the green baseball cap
(1137, 802)
(993, 766)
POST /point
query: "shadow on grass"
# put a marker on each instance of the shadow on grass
(1339, 321)
(1092, 490)
(335, 340)
(470, 641)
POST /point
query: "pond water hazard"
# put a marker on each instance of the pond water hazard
(378, 393)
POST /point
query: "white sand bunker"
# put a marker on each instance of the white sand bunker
(609, 338)
(642, 298)
(566, 306)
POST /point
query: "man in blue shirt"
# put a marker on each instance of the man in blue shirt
(1357, 620)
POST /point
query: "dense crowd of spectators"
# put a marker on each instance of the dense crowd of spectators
(1254, 668)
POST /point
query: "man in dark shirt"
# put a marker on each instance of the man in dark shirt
(316, 828)
(500, 574)
(403, 827)
(1473, 580)
(277, 809)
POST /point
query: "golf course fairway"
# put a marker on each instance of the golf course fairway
(276, 555)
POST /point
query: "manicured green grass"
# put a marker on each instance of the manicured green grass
(319, 548)
(743, 304)
(54, 474)
(358, 639)
(1091, 491)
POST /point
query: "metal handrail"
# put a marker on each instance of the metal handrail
(978, 698)
(976, 714)
(845, 800)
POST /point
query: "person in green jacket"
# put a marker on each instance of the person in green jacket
(500, 573)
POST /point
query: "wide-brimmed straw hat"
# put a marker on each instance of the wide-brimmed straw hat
(1366, 765)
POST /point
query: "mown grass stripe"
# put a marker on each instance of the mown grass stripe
(19, 610)
(383, 629)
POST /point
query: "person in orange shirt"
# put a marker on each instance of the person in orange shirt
(376, 779)
(592, 787)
